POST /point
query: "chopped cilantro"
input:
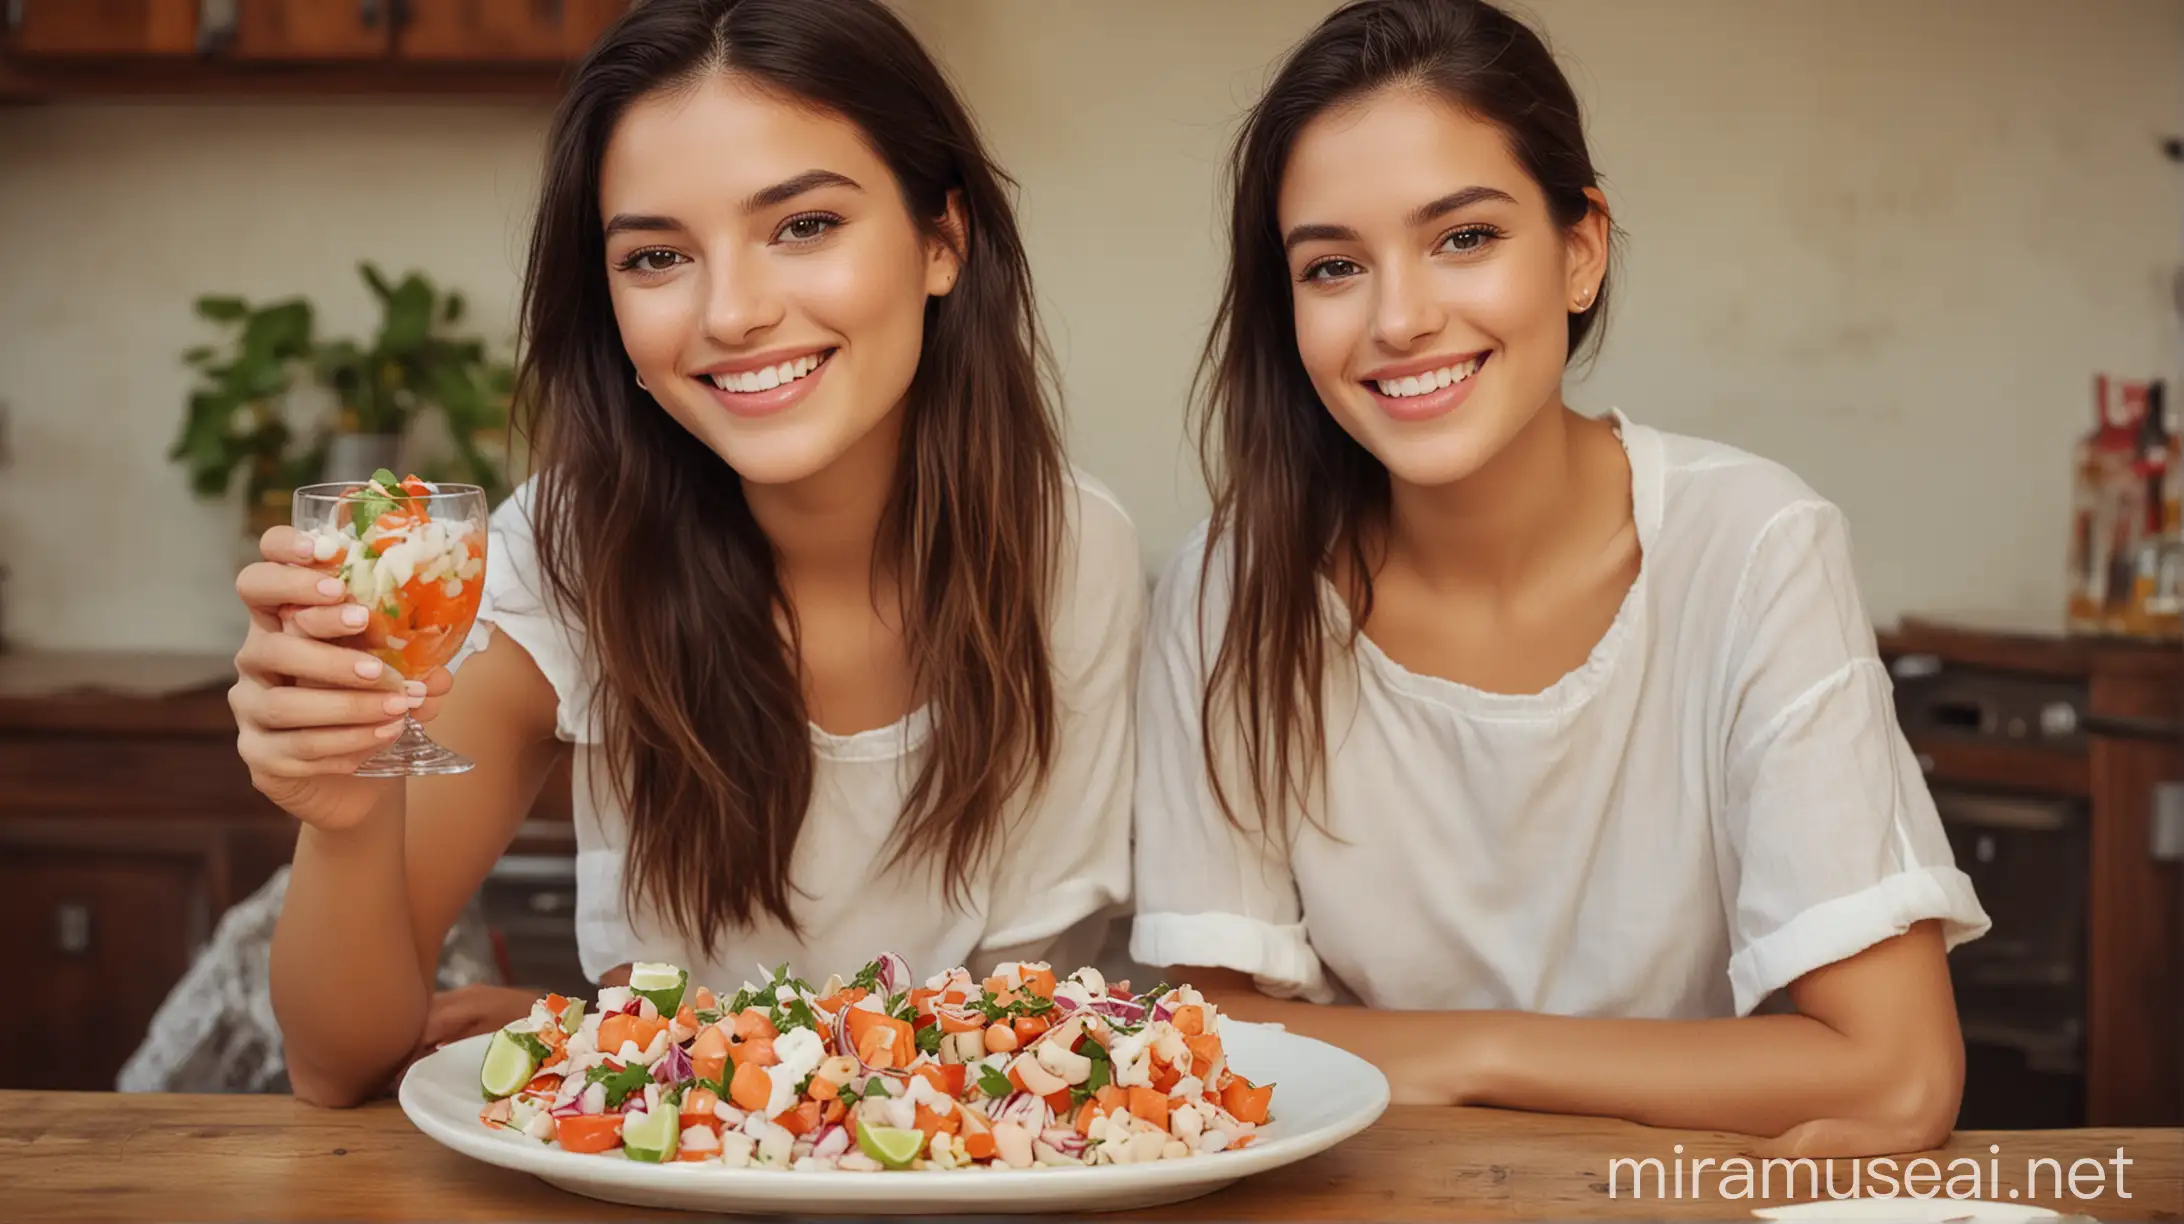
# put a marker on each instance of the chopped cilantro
(620, 1083)
(992, 1082)
(929, 1039)
(1102, 1075)
(531, 1043)
(901, 1009)
(709, 1015)
(793, 1014)
(868, 977)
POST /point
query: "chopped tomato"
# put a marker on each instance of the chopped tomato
(833, 1111)
(757, 1052)
(753, 1022)
(1028, 1027)
(801, 1120)
(1205, 1051)
(751, 1088)
(951, 1022)
(708, 1054)
(614, 1030)
(1246, 1101)
(1150, 1105)
(880, 1041)
(1040, 982)
(588, 1132)
(979, 1146)
(823, 1089)
(1165, 1077)
(1058, 1101)
(1111, 1098)
(698, 1103)
(936, 1124)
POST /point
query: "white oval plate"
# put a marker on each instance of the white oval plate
(1322, 1096)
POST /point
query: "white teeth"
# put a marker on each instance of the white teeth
(1420, 384)
(768, 378)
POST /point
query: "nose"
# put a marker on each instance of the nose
(741, 301)
(1405, 309)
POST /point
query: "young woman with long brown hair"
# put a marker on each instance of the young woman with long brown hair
(843, 647)
(1557, 742)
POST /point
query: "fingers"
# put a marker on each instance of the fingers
(316, 753)
(330, 623)
(265, 655)
(270, 586)
(436, 684)
(296, 708)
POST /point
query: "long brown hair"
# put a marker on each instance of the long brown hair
(1293, 493)
(645, 536)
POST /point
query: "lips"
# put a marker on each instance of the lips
(770, 388)
(1424, 391)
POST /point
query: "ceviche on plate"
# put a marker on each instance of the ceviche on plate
(876, 1072)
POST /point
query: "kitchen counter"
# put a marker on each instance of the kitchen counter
(97, 1156)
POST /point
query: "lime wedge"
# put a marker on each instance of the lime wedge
(510, 1062)
(572, 1016)
(891, 1145)
(651, 1137)
(663, 984)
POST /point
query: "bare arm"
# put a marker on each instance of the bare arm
(1873, 1061)
(381, 868)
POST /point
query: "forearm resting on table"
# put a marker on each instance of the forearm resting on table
(1873, 1061)
(346, 987)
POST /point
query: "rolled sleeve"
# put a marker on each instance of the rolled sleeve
(1212, 892)
(1837, 842)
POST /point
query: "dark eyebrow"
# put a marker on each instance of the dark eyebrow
(1424, 213)
(640, 223)
(1458, 199)
(768, 197)
(788, 189)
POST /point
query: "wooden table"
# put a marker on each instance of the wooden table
(91, 1156)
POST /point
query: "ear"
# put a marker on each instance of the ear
(1586, 244)
(944, 252)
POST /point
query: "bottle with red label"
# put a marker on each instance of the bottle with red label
(2104, 529)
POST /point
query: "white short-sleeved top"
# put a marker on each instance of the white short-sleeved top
(1064, 869)
(1716, 802)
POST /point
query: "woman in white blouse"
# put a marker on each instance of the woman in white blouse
(1557, 742)
(842, 646)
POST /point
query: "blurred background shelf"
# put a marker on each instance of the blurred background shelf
(128, 826)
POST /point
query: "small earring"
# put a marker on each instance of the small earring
(641, 383)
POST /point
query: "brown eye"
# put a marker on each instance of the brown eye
(1470, 238)
(810, 227)
(652, 259)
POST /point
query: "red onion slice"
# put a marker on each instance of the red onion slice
(894, 974)
(833, 1141)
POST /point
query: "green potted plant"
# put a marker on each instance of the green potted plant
(237, 423)
(415, 363)
(240, 418)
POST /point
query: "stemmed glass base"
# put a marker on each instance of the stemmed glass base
(414, 755)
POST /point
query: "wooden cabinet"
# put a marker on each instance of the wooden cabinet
(485, 31)
(311, 30)
(294, 48)
(2045, 755)
(128, 826)
(101, 27)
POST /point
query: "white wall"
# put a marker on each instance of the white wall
(1885, 242)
